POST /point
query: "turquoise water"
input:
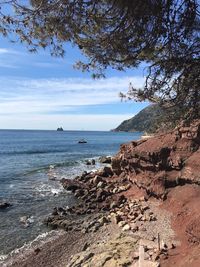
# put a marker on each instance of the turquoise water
(28, 159)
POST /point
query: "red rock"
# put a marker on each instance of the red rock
(163, 161)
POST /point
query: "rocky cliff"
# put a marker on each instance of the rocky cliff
(163, 161)
(167, 167)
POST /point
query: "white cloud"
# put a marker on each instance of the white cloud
(33, 104)
(7, 65)
(9, 51)
(9, 58)
(42, 95)
(46, 65)
(4, 51)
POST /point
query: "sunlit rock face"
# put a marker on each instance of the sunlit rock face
(163, 161)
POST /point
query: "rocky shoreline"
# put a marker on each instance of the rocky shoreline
(129, 213)
(104, 201)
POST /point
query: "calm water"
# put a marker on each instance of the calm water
(25, 168)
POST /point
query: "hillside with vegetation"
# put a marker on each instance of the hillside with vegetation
(147, 120)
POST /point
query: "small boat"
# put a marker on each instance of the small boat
(82, 141)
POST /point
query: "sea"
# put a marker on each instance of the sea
(31, 164)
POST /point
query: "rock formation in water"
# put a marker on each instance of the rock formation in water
(60, 129)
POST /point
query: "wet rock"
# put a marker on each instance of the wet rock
(106, 159)
(107, 171)
(4, 205)
(23, 219)
(83, 175)
(60, 209)
(80, 193)
(116, 165)
(88, 162)
(26, 220)
(71, 184)
(55, 211)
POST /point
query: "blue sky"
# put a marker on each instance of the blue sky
(38, 91)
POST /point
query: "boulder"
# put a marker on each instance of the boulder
(126, 227)
(105, 160)
(71, 184)
(101, 195)
(88, 162)
(26, 220)
(4, 205)
(97, 179)
(93, 162)
(107, 171)
(79, 193)
(100, 185)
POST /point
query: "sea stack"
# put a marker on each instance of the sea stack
(60, 129)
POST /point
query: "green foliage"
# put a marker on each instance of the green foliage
(120, 34)
(147, 120)
(151, 119)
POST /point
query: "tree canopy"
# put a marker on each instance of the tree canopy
(120, 34)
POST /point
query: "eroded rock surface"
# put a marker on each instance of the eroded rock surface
(163, 161)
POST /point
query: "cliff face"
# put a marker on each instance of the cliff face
(163, 161)
(167, 167)
(146, 120)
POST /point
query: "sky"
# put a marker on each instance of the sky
(38, 91)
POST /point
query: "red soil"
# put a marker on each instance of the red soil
(183, 202)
